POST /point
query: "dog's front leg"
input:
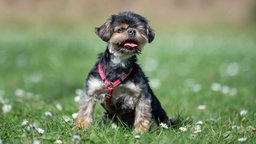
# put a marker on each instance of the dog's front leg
(85, 114)
(142, 115)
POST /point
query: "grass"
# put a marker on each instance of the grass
(41, 70)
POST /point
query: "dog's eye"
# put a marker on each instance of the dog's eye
(119, 30)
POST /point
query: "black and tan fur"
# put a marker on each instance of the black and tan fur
(133, 101)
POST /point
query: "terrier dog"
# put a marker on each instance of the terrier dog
(117, 81)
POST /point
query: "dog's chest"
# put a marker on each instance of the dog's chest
(124, 96)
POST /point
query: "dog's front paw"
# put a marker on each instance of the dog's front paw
(141, 127)
(82, 123)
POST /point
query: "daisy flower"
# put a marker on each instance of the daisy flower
(49, 114)
(6, 108)
(79, 92)
(213, 120)
(113, 126)
(192, 135)
(216, 86)
(201, 107)
(235, 127)
(59, 107)
(199, 122)
(24, 122)
(40, 130)
(74, 115)
(58, 142)
(77, 98)
(67, 119)
(232, 69)
(183, 129)
(197, 127)
(243, 112)
(137, 136)
(76, 138)
(32, 127)
(163, 125)
(242, 139)
(36, 142)
(198, 131)
(20, 93)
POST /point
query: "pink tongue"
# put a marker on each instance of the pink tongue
(130, 45)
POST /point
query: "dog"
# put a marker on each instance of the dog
(117, 81)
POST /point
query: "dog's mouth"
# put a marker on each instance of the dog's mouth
(130, 44)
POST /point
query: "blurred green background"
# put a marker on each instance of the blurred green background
(164, 13)
(201, 64)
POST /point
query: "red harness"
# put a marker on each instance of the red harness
(110, 85)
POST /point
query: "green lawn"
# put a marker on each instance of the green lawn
(205, 76)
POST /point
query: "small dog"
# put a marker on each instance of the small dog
(117, 81)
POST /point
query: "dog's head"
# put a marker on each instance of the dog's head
(126, 33)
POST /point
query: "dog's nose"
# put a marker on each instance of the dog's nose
(132, 32)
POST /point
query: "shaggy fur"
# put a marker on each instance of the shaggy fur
(132, 102)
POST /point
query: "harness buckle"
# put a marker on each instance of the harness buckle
(108, 96)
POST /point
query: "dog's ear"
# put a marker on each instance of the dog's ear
(104, 31)
(150, 34)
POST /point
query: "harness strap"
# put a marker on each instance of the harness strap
(110, 85)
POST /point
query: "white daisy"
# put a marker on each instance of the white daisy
(74, 115)
(183, 129)
(67, 119)
(216, 86)
(235, 127)
(163, 125)
(48, 114)
(20, 92)
(201, 107)
(232, 69)
(6, 108)
(199, 122)
(79, 92)
(24, 122)
(58, 142)
(76, 138)
(59, 107)
(40, 130)
(113, 126)
(198, 131)
(77, 98)
(242, 139)
(197, 127)
(243, 112)
(137, 136)
(36, 142)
